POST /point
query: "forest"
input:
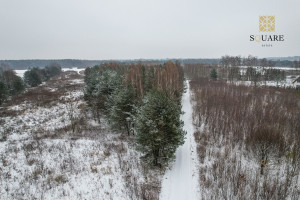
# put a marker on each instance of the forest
(140, 100)
(69, 63)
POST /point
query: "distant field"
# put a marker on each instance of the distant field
(20, 72)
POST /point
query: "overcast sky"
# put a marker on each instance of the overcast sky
(132, 29)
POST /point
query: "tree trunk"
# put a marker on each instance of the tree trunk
(262, 168)
(155, 155)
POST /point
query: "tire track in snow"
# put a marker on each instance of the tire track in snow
(181, 181)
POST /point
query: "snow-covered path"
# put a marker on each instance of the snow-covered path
(181, 181)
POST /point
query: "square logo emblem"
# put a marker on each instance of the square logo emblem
(267, 23)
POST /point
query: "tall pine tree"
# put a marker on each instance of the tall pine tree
(213, 74)
(159, 128)
(120, 108)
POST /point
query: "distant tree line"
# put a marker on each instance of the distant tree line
(250, 61)
(11, 84)
(142, 101)
(64, 63)
(67, 63)
(235, 61)
(270, 74)
(257, 70)
(35, 76)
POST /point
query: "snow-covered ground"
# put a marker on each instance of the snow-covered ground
(287, 83)
(281, 68)
(73, 69)
(181, 181)
(42, 158)
(20, 72)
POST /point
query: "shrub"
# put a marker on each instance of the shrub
(10, 84)
(265, 143)
(51, 70)
(33, 77)
(3, 92)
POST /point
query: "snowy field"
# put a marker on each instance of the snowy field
(280, 68)
(78, 70)
(51, 148)
(20, 73)
(287, 83)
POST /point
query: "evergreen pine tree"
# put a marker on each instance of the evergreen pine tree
(119, 108)
(159, 128)
(100, 85)
(18, 85)
(13, 83)
(3, 92)
(213, 74)
(51, 70)
(33, 77)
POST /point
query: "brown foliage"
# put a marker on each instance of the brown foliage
(197, 70)
(237, 118)
(168, 76)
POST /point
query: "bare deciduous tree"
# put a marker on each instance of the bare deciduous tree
(266, 143)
